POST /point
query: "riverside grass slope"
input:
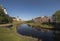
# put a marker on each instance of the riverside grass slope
(39, 25)
(10, 34)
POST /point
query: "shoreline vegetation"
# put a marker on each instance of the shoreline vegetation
(40, 25)
(11, 34)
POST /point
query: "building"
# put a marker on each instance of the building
(16, 19)
(43, 19)
(37, 19)
(5, 11)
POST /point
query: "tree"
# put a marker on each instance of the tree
(4, 18)
(56, 16)
(56, 19)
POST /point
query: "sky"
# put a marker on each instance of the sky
(29, 9)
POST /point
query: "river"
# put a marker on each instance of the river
(24, 29)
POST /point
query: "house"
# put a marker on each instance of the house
(16, 19)
(43, 19)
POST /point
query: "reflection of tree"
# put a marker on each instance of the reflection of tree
(57, 32)
(57, 37)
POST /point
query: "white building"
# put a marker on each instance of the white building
(17, 19)
(5, 11)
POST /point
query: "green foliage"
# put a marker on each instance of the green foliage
(57, 16)
(4, 18)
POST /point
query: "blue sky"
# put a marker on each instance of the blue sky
(28, 9)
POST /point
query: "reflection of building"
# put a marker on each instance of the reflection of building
(42, 19)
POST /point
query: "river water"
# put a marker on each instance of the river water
(24, 29)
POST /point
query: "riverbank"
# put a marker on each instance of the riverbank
(10, 34)
(39, 25)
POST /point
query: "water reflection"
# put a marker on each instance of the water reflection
(31, 31)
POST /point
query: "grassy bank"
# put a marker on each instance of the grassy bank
(10, 34)
(39, 25)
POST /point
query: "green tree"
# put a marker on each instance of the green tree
(56, 16)
(4, 18)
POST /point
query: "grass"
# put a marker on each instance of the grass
(10, 34)
(7, 35)
(40, 25)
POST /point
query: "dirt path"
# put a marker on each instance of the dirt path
(5, 25)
